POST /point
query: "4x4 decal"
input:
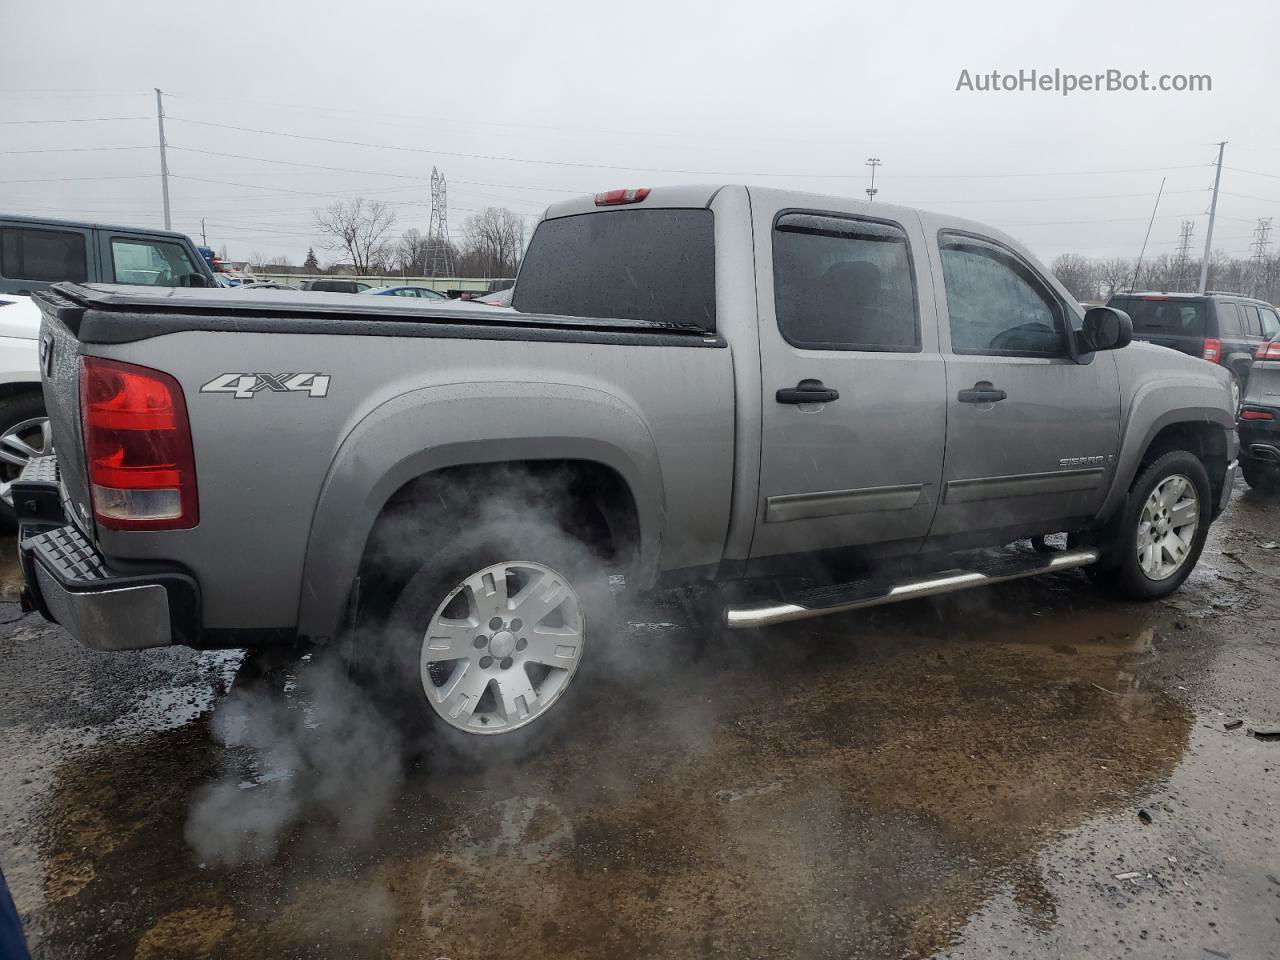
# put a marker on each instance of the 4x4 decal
(243, 386)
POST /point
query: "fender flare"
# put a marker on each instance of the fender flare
(1143, 423)
(459, 424)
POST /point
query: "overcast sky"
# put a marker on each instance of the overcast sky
(522, 103)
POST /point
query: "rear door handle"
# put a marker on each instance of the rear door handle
(982, 392)
(808, 391)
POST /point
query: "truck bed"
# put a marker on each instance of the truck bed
(410, 388)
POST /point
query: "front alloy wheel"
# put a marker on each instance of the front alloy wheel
(1153, 543)
(502, 647)
(1167, 527)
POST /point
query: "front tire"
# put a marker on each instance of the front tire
(489, 641)
(1161, 530)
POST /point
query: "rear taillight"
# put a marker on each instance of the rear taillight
(1212, 349)
(137, 444)
(612, 198)
(1268, 351)
(1251, 414)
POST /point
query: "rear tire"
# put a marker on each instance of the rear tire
(1237, 393)
(1161, 529)
(486, 690)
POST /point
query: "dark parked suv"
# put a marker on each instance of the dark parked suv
(1224, 328)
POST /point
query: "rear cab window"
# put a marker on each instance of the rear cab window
(842, 283)
(1163, 315)
(653, 265)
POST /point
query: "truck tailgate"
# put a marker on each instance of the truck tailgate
(60, 372)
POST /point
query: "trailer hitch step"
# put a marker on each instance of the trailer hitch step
(870, 592)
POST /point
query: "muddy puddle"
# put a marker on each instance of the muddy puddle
(844, 787)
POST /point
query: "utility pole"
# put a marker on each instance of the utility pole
(164, 163)
(872, 162)
(1213, 212)
(204, 239)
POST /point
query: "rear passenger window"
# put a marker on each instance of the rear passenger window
(46, 255)
(996, 304)
(1229, 324)
(843, 284)
(1253, 322)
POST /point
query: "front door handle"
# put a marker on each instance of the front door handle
(808, 391)
(982, 392)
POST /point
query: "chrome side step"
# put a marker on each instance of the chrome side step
(866, 593)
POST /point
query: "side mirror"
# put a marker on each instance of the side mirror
(1105, 328)
(198, 280)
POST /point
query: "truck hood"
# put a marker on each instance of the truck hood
(1142, 363)
(19, 317)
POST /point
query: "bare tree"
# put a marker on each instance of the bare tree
(494, 243)
(411, 253)
(359, 230)
(1115, 273)
(1077, 274)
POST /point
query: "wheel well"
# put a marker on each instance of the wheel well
(1206, 440)
(584, 499)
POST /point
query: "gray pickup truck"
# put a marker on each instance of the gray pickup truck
(841, 404)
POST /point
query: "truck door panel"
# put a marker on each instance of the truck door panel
(1031, 432)
(853, 388)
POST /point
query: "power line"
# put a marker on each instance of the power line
(603, 166)
(123, 176)
(1254, 173)
(72, 150)
(9, 123)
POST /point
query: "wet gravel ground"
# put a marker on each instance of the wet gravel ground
(1033, 770)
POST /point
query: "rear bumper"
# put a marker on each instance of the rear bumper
(69, 583)
(1260, 439)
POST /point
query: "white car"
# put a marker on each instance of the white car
(24, 428)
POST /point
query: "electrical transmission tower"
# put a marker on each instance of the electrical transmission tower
(1182, 259)
(439, 249)
(1261, 240)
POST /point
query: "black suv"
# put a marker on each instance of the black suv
(1225, 328)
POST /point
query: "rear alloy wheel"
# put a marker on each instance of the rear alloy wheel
(486, 645)
(1162, 529)
(502, 647)
(1236, 393)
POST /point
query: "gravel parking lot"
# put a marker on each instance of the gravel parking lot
(1034, 770)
